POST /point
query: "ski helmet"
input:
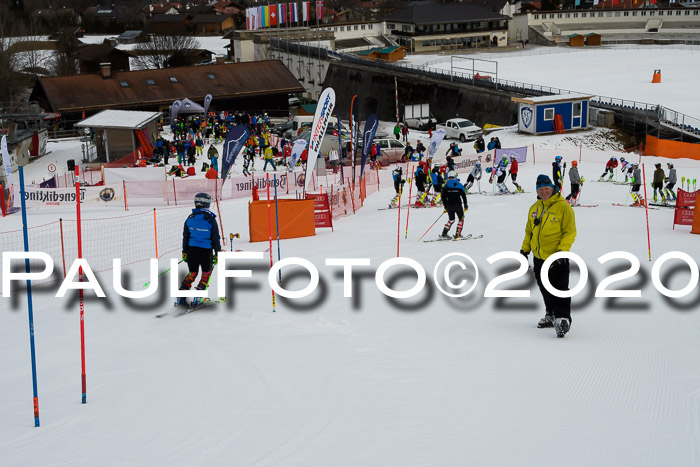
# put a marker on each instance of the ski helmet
(622, 159)
(558, 158)
(202, 200)
(504, 158)
(613, 158)
(478, 164)
(574, 163)
(451, 174)
(658, 165)
(670, 166)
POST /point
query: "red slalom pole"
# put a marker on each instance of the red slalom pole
(80, 279)
(269, 230)
(646, 208)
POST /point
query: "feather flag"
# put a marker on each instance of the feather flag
(368, 139)
(235, 140)
(324, 108)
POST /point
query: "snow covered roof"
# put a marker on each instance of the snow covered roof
(127, 119)
(550, 99)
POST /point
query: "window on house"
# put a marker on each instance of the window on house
(644, 13)
(617, 13)
(342, 28)
(695, 13)
(355, 28)
(537, 16)
(687, 12)
(362, 27)
(211, 76)
(549, 114)
(678, 12)
(173, 79)
(600, 14)
(608, 14)
(652, 13)
(371, 26)
(551, 16)
(575, 15)
(568, 15)
(123, 84)
(583, 15)
(627, 13)
(150, 82)
(577, 109)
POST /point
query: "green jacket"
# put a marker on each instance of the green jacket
(556, 230)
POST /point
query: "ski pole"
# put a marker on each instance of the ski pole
(426, 232)
(162, 273)
(628, 194)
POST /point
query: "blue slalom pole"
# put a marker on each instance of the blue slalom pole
(29, 297)
(278, 225)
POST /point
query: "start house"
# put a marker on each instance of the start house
(537, 115)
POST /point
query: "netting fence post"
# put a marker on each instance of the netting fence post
(221, 222)
(126, 203)
(155, 231)
(63, 250)
(174, 192)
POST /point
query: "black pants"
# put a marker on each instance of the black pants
(559, 278)
(453, 211)
(199, 258)
(574, 191)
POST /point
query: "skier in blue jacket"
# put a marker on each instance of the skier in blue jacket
(453, 198)
(200, 246)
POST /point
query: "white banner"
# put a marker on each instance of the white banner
(324, 108)
(297, 149)
(435, 141)
(65, 197)
(133, 174)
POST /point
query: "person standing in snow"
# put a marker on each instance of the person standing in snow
(479, 145)
(658, 183)
(200, 246)
(397, 175)
(421, 178)
(636, 185)
(550, 228)
(513, 171)
(475, 174)
(671, 181)
(437, 181)
(575, 180)
(610, 167)
(454, 198)
(557, 170)
(501, 172)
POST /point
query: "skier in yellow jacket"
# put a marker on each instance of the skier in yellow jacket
(551, 227)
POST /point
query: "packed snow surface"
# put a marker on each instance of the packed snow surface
(368, 380)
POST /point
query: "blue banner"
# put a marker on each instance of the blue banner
(367, 140)
(235, 140)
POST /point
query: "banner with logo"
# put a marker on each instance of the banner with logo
(367, 139)
(207, 102)
(174, 109)
(466, 163)
(324, 108)
(438, 136)
(519, 153)
(235, 140)
(65, 197)
(297, 149)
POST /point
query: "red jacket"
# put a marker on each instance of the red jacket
(612, 164)
(514, 167)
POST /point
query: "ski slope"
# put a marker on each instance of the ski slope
(368, 380)
(621, 72)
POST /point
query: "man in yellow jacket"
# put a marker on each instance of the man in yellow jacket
(551, 227)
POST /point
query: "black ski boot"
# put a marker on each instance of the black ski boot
(546, 322)
(562, 326)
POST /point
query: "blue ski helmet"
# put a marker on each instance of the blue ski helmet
(558, 158)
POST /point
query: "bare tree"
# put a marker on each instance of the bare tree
(64, 62)
(165, 52)
(7, 57)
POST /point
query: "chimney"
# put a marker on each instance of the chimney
(106, 70)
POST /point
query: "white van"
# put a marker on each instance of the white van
(302, 121)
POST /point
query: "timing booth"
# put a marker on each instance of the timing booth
(552, 114)
(297, 219)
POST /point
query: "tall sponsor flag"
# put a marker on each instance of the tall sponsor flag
(282, 13)
(324, 108)
(273, 15)
(304, 11)
(367, 139)
(232, 146)
(435, 141)
(319, 11)
(8, 174)
(297, 149)
(293, 13)
(174, 109)
(207, 102)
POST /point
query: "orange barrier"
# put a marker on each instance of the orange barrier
(297, 219)
(671, 149)
(657, 76)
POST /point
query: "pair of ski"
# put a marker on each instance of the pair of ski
(507, 193)
(466, 237)
(407, 207)
(630, 206)
(184, 310)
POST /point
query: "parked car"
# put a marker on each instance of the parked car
(392, 151)
(282, 128)
(461, 128)
(422, 123)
